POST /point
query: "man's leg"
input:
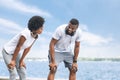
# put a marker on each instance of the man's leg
(68, 60)
(58, 59)
(72, 75)
(52, 73)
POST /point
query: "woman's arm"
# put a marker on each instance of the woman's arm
(17, 49)
(25, 53)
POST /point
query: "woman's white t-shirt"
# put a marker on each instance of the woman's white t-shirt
(65, 41)
(11, 45)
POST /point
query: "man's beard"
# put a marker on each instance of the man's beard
(71, 34)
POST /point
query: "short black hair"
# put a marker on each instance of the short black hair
(35, 23)
(74, 21)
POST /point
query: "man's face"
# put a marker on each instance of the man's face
(71, 29)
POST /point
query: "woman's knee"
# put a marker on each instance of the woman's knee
(12, 72)
(22, 71)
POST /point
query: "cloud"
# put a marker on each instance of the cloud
(93, 39)
(19, 6)
(83, 27)
(8, 26)
(100, 51)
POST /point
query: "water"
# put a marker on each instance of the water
(88, 70)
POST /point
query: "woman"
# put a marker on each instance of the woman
(22, 41)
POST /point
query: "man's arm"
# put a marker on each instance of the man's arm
(52, 50)
(76, 51)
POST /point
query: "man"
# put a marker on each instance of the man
(60, 48)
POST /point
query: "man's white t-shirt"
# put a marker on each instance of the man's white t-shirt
(11, 45)
(65, 41)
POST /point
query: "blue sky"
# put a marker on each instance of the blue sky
(99, 22)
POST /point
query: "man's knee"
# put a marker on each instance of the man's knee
(53, 69)
(74, 70)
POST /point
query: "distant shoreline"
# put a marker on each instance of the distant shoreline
(99, 59)
(79, 59)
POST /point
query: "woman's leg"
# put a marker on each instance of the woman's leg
(20, 70)
(7, 58)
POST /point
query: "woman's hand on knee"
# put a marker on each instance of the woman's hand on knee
(12, 64)
(22, 64)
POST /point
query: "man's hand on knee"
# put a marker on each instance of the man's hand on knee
(53, 67)
(74, 67)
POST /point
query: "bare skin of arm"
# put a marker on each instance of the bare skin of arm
(17, 49)
(52, 52)
(76, 52)
(23, 56)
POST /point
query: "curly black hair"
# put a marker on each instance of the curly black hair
(35, 23)
(74, 21)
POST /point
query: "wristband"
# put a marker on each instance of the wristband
(74, 61)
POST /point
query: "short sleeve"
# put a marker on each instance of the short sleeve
(79, 33)
(57, 34)
(25, 33)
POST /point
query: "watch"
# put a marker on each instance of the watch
(74, 61)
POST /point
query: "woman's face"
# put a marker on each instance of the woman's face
(39, 31)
